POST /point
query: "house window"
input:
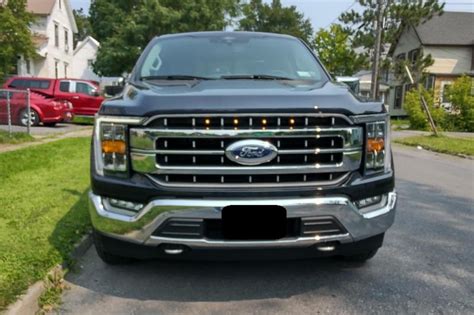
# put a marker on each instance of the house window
(28, 66)
(430, 82)
(56, 35)
(66, 66)
(56, 68)
(90, 62)
(398, 97)
(413, 55)
(444, 92)
(60, 4)
(66, 39)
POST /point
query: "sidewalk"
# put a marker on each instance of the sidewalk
(83, 132)
(397, 134)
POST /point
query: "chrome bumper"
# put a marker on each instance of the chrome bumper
(138, 227)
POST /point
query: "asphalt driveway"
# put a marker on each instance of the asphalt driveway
(425, 266)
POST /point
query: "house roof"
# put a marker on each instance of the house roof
(41, 7)
(45, 7)
(450, 28)
(85, 41)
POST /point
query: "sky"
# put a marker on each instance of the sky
(324, 12)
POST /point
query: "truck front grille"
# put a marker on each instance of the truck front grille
(183, 151)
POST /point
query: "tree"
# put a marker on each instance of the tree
(333, 46)
(84, 27)
(274, 18)
(460, 96)
(416, 114)
(135, 23)
(397, 15)
(15, 35)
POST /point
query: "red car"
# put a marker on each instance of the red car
(83, 94)
(42, 109)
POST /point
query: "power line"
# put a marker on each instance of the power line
(348, 8)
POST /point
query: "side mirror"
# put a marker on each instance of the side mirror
(114, 90)
(95, 93)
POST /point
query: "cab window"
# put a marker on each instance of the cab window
(64, 86)
(84, 88)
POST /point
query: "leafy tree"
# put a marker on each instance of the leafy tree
(334, 48)
(460, 96)
(275, 18)
(15, 35)
(416, 115)
(398, 14)
(134, 24)
(83, 25)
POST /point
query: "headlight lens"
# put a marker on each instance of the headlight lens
(111, 144)
(378, 146)
(114, 147)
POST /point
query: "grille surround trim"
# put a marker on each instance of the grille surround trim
(145, 149)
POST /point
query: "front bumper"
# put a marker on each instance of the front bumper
(139, 227)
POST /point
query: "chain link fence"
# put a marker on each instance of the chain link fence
(15, 111)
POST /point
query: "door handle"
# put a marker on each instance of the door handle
(76, 97)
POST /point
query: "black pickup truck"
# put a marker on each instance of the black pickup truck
(228, 145)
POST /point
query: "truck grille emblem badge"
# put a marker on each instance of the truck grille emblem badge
(251, 152)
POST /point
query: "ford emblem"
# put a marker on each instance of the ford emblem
(251, 152)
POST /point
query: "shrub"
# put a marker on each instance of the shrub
(416, 114)
(459, 95)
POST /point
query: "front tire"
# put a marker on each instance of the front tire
(34, 117)
(108, 258)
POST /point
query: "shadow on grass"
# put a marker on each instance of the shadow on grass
(72, 226)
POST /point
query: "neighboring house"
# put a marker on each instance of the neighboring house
(53, 33)
(84, 56)
(365, 79)
(449, 39)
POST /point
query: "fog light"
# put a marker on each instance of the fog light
(126, 205)
(367, 202)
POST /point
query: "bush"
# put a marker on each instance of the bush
(459, 95)
(416, 114)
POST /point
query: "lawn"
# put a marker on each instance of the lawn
(83, 120)
(441, 144)
(15, 137)
(43, 197)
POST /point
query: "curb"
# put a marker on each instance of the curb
(28, 302)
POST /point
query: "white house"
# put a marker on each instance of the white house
(53, 33)
(84, 56)
(449, 39)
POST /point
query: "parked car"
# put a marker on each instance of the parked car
(42, 109)
(231, 145)
(84, 95)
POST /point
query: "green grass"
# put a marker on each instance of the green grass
(43, 198)
(83, 120)
(400, 124)
(441, 144)
(15, 137)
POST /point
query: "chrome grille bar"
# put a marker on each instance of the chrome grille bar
(179, 151)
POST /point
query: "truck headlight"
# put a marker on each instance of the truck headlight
(111, 144)
(378, 155)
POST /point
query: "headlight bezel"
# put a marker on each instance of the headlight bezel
(114, 122)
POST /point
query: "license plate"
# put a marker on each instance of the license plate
(254, 222)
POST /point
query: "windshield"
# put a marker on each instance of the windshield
(230, 57)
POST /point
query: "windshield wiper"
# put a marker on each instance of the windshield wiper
(254, 77)
(174, 77)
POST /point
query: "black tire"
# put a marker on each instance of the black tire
(361, 257)
(49, 124)
(107, 257)
(35, 120)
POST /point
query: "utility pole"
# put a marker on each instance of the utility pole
(374, 88)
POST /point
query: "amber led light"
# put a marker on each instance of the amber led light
(375, 145)
(109, 146)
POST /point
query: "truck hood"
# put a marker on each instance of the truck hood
(236, 96)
